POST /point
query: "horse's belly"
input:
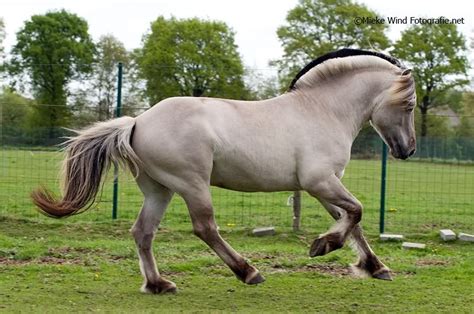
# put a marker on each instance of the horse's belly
(253, 178)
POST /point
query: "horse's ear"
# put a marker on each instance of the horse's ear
(406, 72)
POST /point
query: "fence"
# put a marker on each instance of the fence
(433, 190)
(421, 195)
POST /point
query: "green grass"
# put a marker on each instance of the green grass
(421, 196)
(58, 266)
(88, 262)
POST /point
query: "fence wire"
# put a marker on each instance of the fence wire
(431, 191)
(423, 194)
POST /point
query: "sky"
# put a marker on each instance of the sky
(254, 21)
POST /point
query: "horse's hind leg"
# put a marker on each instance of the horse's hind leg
(202, 215)
(157, 198)
(368, 261)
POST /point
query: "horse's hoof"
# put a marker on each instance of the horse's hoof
(383, 274)
(254, 279)
(162, 287)
(324, 245)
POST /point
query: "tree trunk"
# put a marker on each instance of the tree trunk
(197, 92)
(424, 112)
(424, 127)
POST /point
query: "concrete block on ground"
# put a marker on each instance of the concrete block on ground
(391, 237)
(466, 237)
(413, 246)
(447, 234)
(265, 231)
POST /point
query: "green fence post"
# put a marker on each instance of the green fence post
(382, 188)
(117, 114)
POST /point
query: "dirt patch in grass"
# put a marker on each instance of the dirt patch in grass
(432, 262)
(45, 260)
(63, 255)
(65, 250)
(74, 252)
(329, 269)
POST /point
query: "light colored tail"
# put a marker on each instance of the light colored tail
(87, 155)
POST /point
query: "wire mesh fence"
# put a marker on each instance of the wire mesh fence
(429, 192)
(434, 189)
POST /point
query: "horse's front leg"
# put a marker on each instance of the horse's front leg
(331, 191)
(368, 261)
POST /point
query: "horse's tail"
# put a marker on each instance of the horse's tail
(87, 155)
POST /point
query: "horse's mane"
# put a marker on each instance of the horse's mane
(342, 53)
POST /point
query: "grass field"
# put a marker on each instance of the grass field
(88, 263)
(56, 266)
(421, 196)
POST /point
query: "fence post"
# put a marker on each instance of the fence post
(296, 210)
(382, 188)
(117, 114)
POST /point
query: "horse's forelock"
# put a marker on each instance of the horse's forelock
(403, 91)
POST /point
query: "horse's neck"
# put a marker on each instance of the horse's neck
(350, 101)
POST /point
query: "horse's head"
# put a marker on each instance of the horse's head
(393, 116)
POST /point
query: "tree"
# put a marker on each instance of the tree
(261, 85)
(110, 51)
(316, 27)
(190, 57)
(134, 90)
(15, 114)
(466, 128)
(2, 37)
(437, 54)
(53, 49)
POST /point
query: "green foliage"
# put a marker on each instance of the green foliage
(16, 114)
(190, 57)
(110, 51)
(316, 27)
(437, 53)
(453, 99)
(438, 125)
(82, 113)
(2, 37)
(134, 89)
(468, 104)
(466, 128)
(53, 49)
(261, 86)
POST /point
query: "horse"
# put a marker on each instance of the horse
(300, 140)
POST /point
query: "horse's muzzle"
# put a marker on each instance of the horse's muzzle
(398, 152)
(405, 155)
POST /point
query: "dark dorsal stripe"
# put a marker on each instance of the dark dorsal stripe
(346, 52)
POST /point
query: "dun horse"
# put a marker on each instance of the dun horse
(300, 140)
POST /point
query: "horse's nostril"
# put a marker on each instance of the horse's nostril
(412, 152)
